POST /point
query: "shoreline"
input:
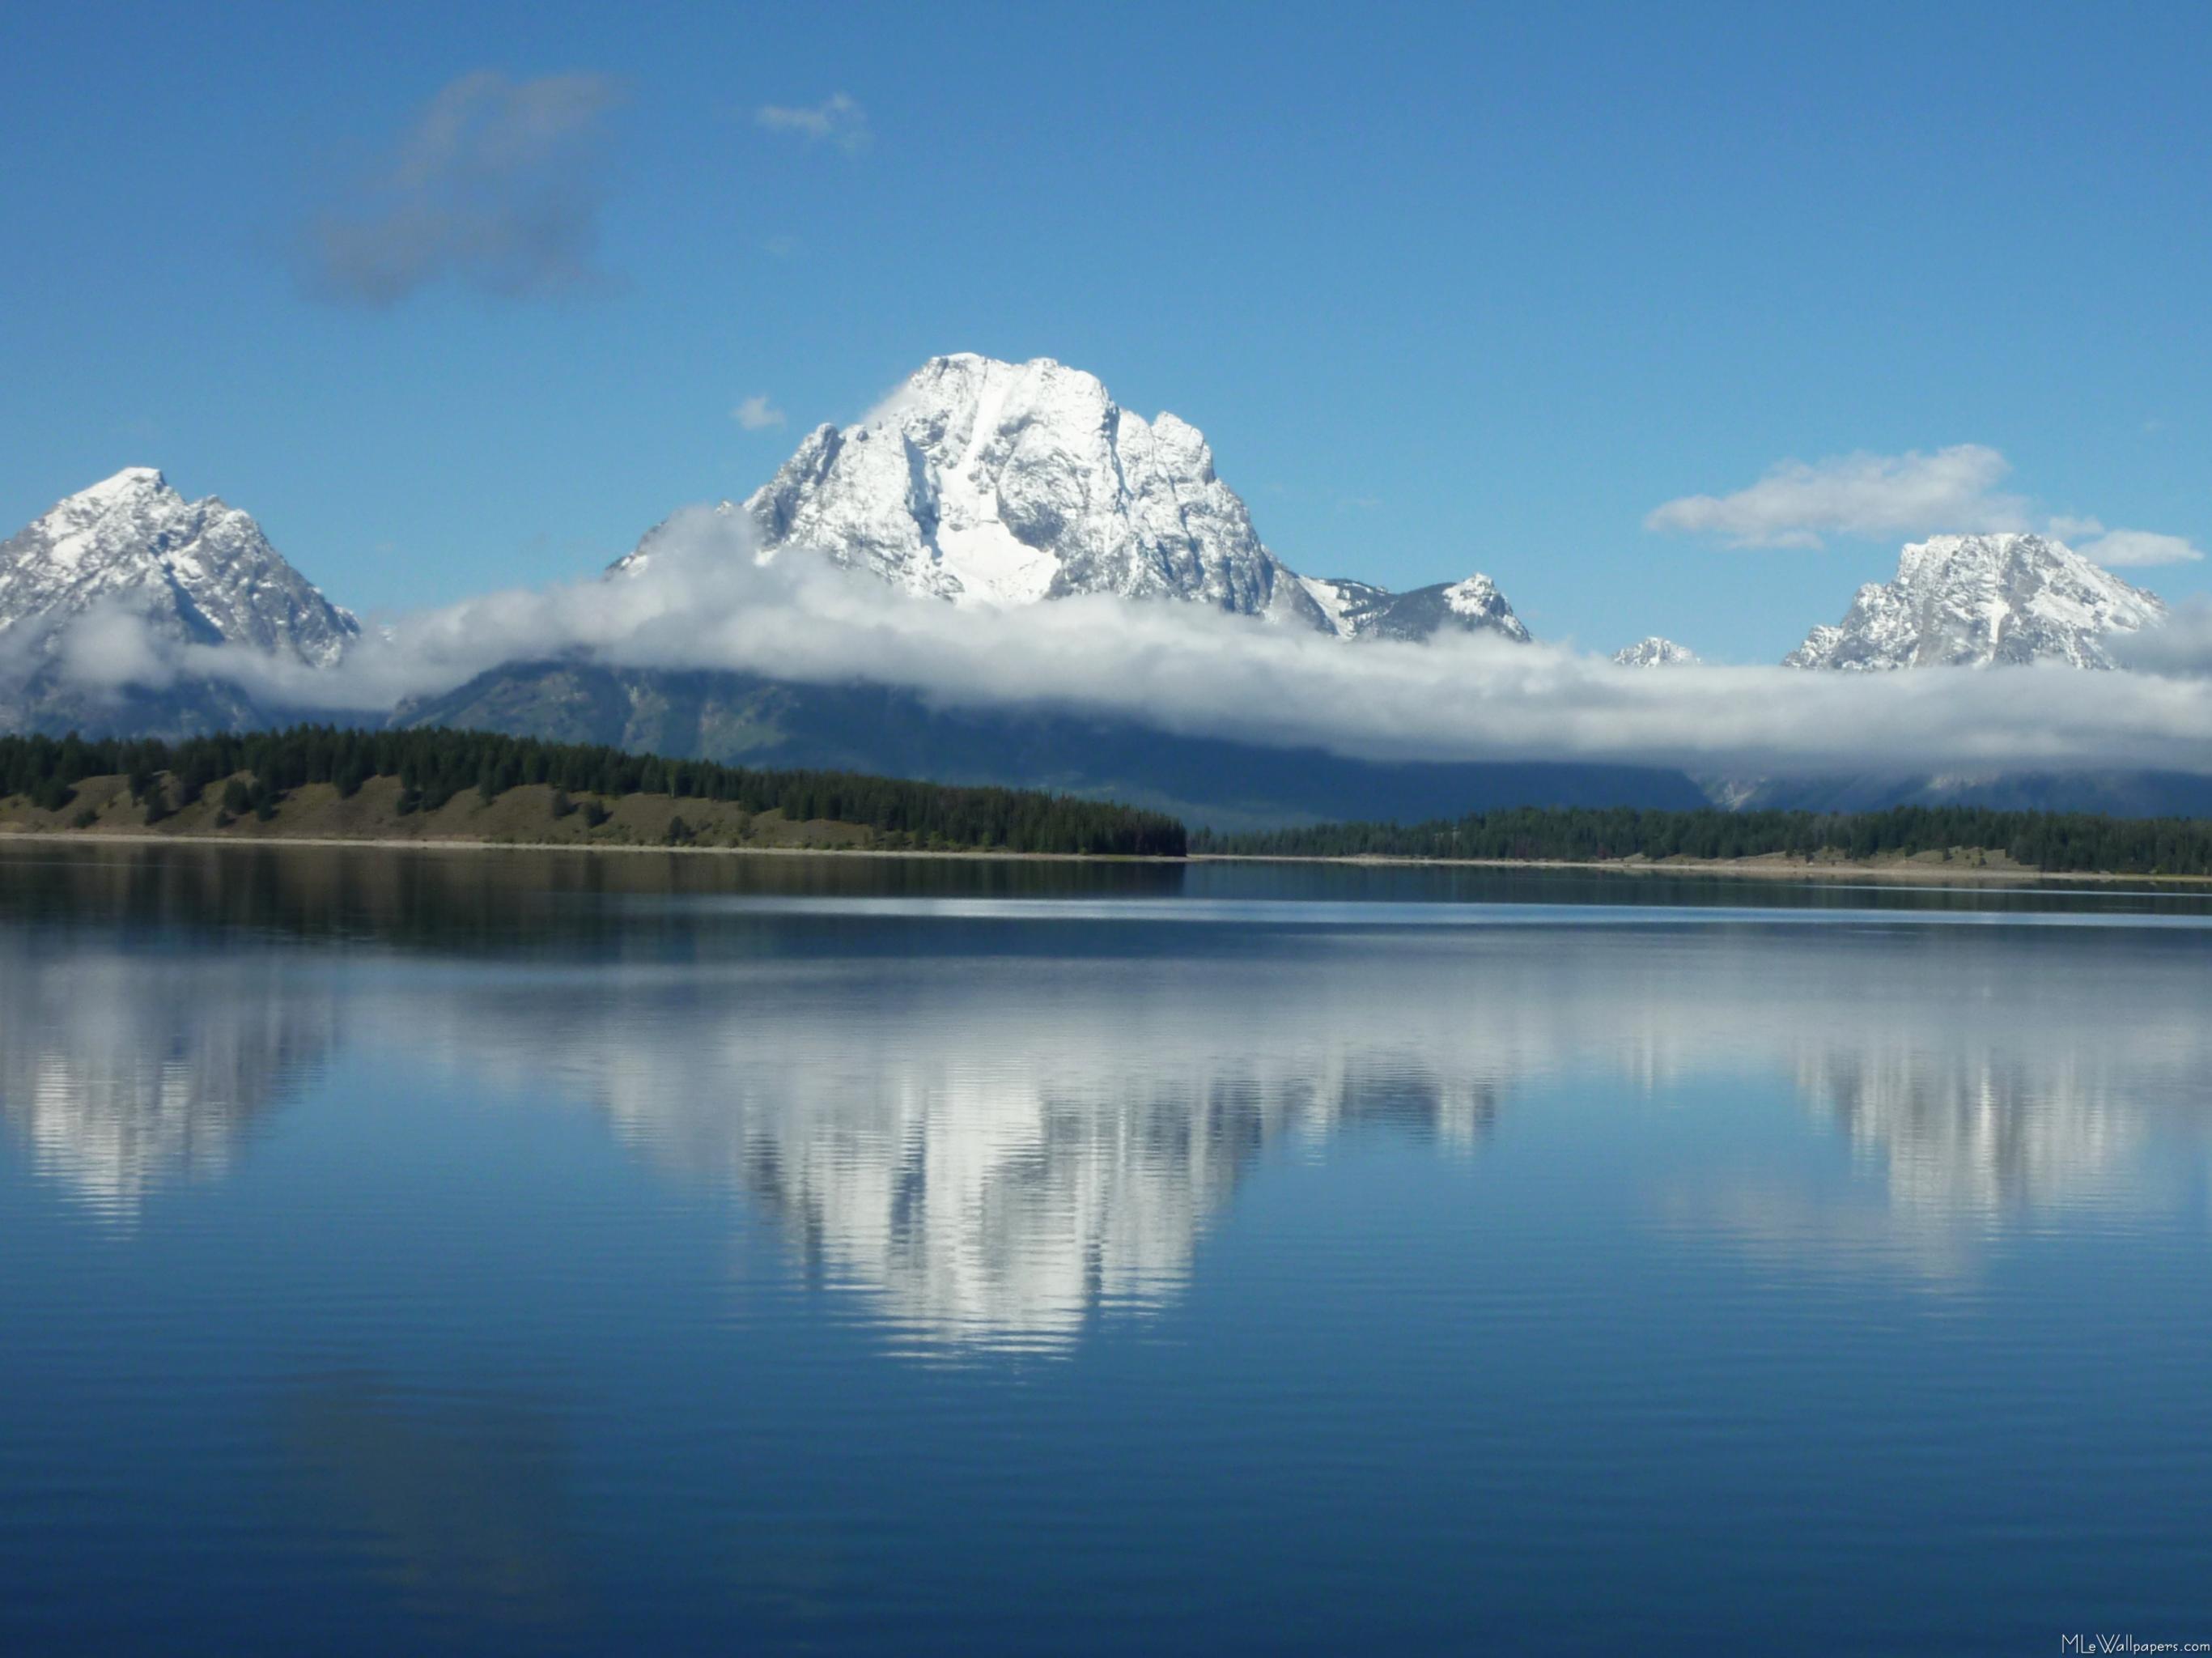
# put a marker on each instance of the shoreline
(1902, 873)
(400, 843)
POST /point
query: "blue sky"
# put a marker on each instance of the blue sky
(1447, 288)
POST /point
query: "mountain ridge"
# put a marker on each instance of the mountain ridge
(1982, 601)
(984, 481)
(198, 571)
(176, 573)
(1653, 651)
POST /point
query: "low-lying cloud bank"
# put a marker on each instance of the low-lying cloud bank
(703, 601)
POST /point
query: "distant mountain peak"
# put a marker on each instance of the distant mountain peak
(1480, 601)
(1360, 610)
(200, 571)
(1653, 651)
(1981, 600)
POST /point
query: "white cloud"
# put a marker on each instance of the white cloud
(2182, 648)
(837, 119)
(1953, 490)
(2130, 549)
(1798, 504)
(496, 184)
(757, 413)
(705, 601)
(112, 647)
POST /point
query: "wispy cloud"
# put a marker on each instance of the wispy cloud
(757, 414)
(1953, 490)
(1800, 504)
(2134, 549)
(837, 119)
(496, 184)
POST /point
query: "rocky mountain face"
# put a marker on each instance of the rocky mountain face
(195, 572)
(199, 571)
(1010, 483)
(1359, 610)
(1655, 652)
(984, 482)
(1980, 600)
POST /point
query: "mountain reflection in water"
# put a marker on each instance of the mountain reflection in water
(996, 1131)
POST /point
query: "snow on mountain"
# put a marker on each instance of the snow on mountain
(984, 482)
(1008, 482)
(1359, 610)
(1974, 600)
(199, 571)
(1655, 652)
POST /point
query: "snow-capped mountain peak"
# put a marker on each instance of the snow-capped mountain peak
(131, 481)
(1978, 601)
(1655, 652)
(1366, 611)
(1002, 483)
(198, 571)
(1478, 602)
(986, 482)
(1360, 610)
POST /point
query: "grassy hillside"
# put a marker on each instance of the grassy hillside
(521, 816)
(319, 782)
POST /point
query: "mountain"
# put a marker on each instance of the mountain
(747, 720)
(999, 482)
(984, 482)
(1655, 652)
(1359, 610)
(195, 572)
(200, 571)
(1980, 601)
(2139, 794)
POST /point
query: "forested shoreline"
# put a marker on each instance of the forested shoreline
(259, 772)
(228, 777)
(2066, 843)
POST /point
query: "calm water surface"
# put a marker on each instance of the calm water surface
(412, 1252)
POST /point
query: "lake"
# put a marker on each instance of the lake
(418, 1252)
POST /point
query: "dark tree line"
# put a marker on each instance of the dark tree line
(2048, 840)
(434, 764)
